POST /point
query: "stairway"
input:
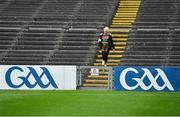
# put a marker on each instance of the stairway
(120, 27)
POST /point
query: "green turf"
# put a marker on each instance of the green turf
(89, 103)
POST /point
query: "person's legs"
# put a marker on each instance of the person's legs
(100, 46)
(105, 56)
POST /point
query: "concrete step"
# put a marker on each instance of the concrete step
(108, 64)
(120, 47)
(95, 85)
(109, 60)
(124, 18)
(100, 77)
(119, 39)
(110, 56)
(129, 3)
(127, 11)
(128, 6)
(119, 35)
(123, 21)
(119, 43)
(118, 30)
(121, 26)
(103, 73)
(97, 81)
(114, 52)
(124, 14)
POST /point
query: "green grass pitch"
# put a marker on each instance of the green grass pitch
(89, 103)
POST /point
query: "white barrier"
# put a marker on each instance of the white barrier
(37, 77)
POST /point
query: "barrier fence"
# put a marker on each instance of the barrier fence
(35, 77)
(93, 72)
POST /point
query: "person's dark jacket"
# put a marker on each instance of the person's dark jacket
(110, 42)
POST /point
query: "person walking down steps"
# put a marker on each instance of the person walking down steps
(106, 44)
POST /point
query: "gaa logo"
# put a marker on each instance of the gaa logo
(29, 74)
(139, 81)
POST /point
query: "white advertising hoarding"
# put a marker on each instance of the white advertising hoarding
(37, 77)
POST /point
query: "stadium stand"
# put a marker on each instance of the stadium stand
(52, 32)
(154, 38)
(64, 32)
(121, 25)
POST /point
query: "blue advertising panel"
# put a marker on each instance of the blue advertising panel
(147, 79)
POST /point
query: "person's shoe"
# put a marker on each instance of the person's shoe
(103, 62)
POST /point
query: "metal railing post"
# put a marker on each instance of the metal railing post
(80, 76)
(112, 78)
(109, 79)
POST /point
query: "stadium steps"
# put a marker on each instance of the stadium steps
(120, 27)
(97, 81)
(94, 85)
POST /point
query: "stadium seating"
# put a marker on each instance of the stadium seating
(52, 32)
(154, 38)
(121, 24)
(65, 32)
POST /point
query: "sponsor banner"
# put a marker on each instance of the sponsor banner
(147, 79)
(37, 77)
